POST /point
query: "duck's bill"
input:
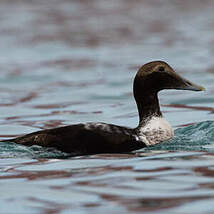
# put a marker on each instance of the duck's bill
(187, 85)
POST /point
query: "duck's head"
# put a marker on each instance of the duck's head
(152, 78)
(158, 75)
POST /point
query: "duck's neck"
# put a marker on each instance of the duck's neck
(148, 106)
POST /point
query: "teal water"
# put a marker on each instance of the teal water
(65, 62)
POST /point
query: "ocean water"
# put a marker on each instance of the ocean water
(65, 62)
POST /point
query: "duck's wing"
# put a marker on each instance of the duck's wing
(87, 138)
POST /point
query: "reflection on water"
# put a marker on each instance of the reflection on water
(65, 62)
(149, 182)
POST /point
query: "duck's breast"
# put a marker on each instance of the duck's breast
(156, 130)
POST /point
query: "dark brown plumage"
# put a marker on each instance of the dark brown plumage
(91, 138)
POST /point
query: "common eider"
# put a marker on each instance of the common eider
(92, 138)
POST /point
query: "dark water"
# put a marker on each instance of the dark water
(65, 62)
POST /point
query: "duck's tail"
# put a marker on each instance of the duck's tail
(7, 140)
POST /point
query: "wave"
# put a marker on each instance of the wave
(197, 137)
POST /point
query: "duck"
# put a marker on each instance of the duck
(99, 137)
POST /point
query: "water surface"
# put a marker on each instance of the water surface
(65, 62)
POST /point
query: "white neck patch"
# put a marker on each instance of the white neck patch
(156, 130)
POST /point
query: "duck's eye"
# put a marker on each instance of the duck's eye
(161, 68)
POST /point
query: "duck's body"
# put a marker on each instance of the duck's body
(91, 138)
(85, 138)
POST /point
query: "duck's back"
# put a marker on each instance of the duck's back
(86, 138)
